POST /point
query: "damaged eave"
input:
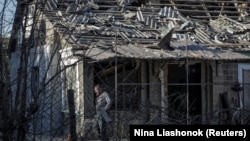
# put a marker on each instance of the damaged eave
(179, 51)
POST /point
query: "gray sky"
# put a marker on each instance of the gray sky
(9, 13)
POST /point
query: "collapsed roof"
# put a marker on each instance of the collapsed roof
(99, 26)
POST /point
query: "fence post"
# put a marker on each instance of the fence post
(72, 115)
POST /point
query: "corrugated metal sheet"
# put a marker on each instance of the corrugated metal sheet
(134, 29)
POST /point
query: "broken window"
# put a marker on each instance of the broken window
(127, 96)
(128, 92)
(179, 101)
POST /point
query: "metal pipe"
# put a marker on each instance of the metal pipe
(163, 105)
(187, 79)
(116, 95)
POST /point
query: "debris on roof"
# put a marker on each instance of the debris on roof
(143, 23)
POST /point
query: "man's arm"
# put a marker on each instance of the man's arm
(108, 101)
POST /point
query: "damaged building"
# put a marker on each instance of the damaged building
(162, 61)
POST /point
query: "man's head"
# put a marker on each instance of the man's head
(97, 89)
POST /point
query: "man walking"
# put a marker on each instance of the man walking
(103, 104)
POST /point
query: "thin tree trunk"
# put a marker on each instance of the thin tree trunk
(4, 95)
(22, 77)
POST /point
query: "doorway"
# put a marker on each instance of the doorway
(178, 87)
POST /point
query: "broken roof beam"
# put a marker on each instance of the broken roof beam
(108, 6)
(202, 11)
(205, 8)
(134, 8)
(109, 39)
(189, 5)
(227, 44)
(233, 17)
(211, 1)
(106, 1)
